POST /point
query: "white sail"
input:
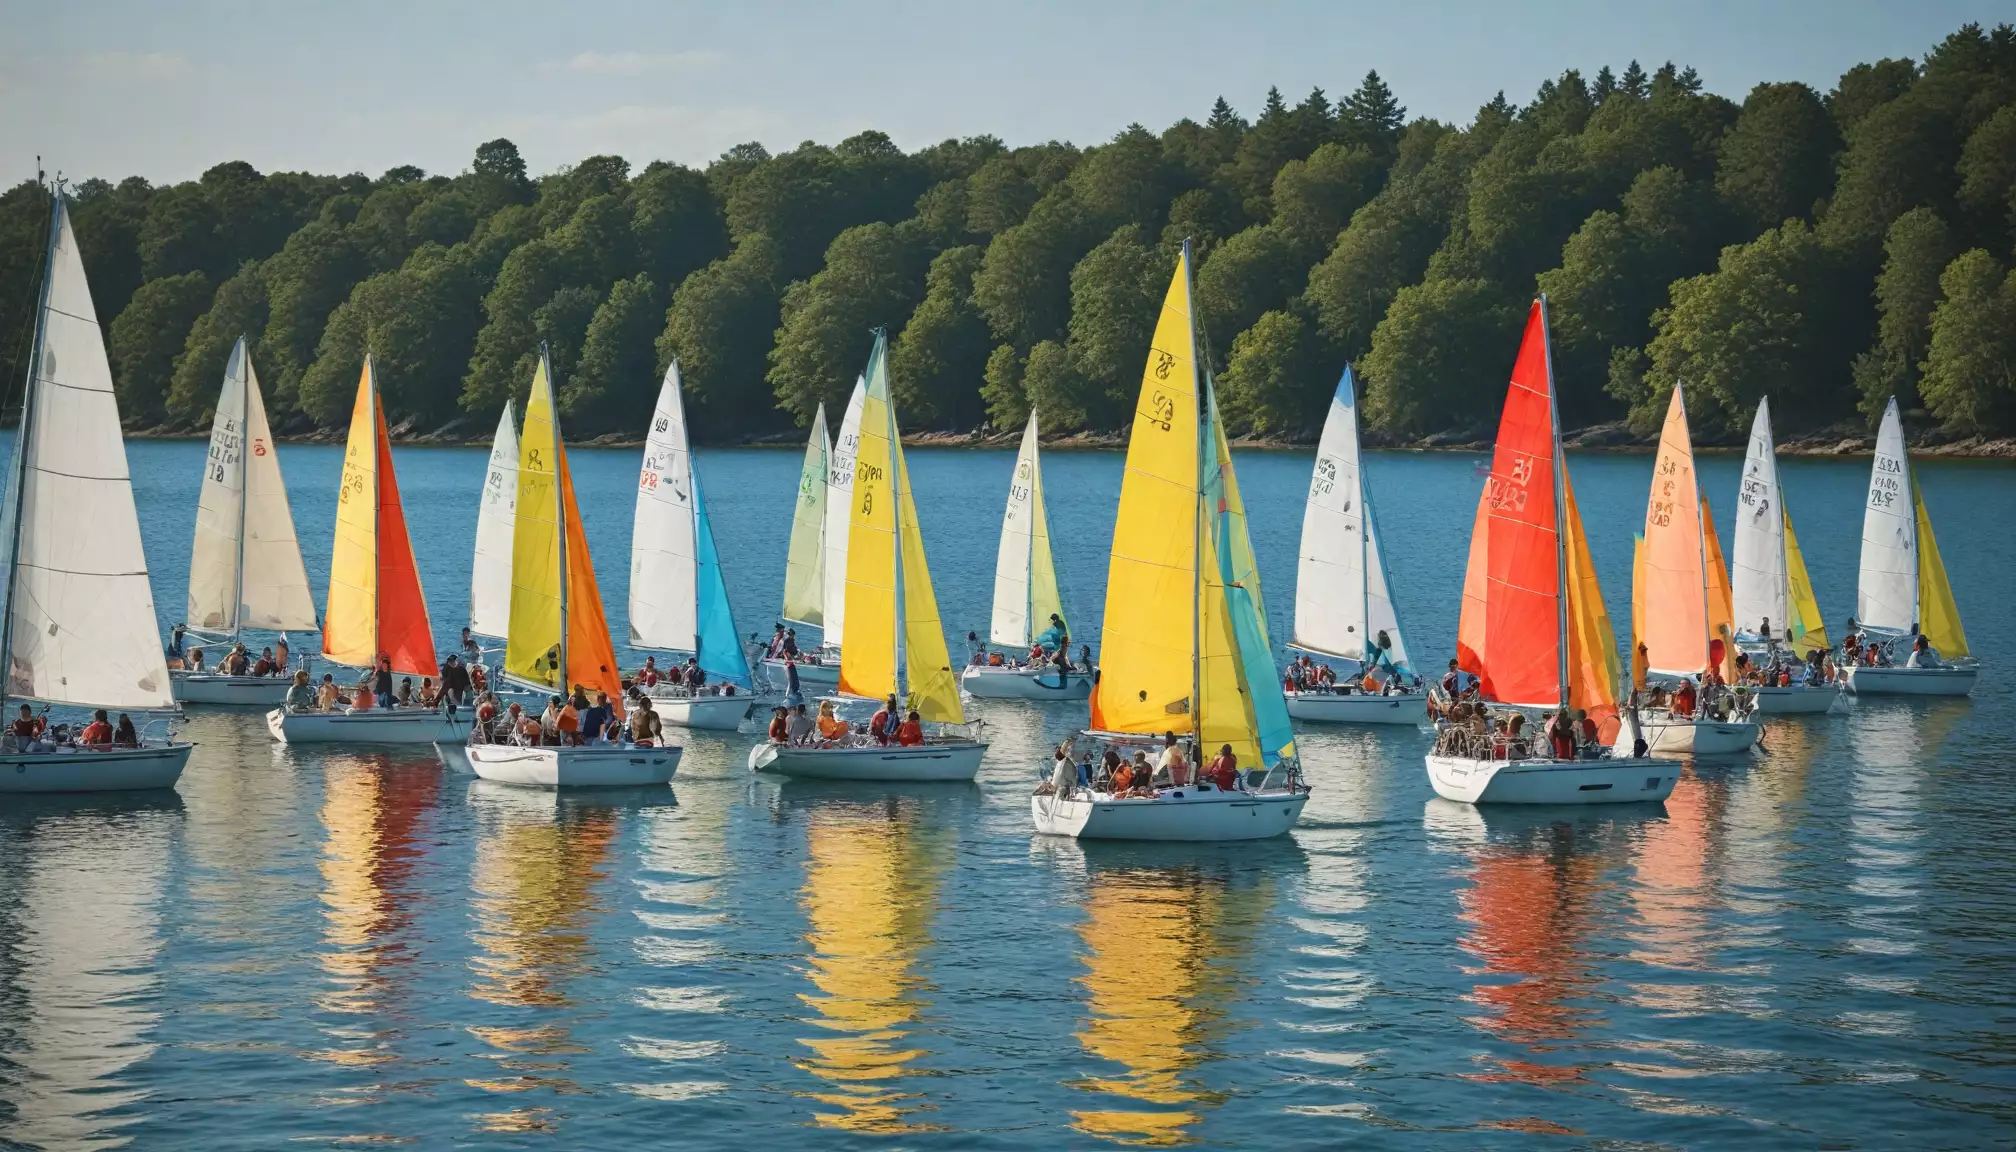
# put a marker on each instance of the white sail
(1757, 562)
(490, 580)
(1010, 625)
(1380, 613)
(80, 623)
(274, 592)
(1331, 589)
(839, 498)
(214, 569)
(1886, 595)
(663, 564)
(805, 563)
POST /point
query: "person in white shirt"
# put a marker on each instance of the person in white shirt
(1171, 762)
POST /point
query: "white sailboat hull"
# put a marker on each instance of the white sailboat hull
(987, 683)
(922, 763)
(1900, 681)
(1612, 781)
(587, 766)
(720, 713)
(1794, 701)
(1180, 814)
(89, 770)
(1358, 708)
(809, 675)
(378, 726)
(210, 688)
(1700, 737)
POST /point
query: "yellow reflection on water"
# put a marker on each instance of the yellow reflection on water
(1163, 952)
(871, 882)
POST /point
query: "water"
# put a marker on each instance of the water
(1807, 949)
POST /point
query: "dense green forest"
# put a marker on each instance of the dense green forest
(1828, 249)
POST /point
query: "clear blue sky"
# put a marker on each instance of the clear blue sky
(165, 89)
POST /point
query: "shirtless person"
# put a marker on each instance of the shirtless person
(645, 728)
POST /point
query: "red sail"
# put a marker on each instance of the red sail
(403, 631)
(1510, 633)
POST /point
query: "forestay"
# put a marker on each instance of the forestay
(1760, 585)
(663, 555)
(1886, 594)
(490, 579)
(1025, 574)
(805, 565)
(80, 624)
(245, 569)
(839, 501)
(1342, 602)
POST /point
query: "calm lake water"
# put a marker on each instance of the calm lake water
(1810, 948)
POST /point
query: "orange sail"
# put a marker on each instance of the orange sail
(591, 659)
(1675, 595)
(375, 604)
(1509, 636)
(403, 631)
(1721, 599)
(1593, 668)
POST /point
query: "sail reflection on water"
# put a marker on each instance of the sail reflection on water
(871, 886)
(1165, 951)
(81, 921)
(373, 814)
(682, 866)
(539, 861)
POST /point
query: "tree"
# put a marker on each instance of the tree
(417, 324)
(305, 282)
(873, 278)
(1370, 118)
(1273, 385)
(1277, 137)
(1866, 87)
(1124, 182)
(1252, 273)
(147, 339)
(720, 326)
(238, 309)
(24, 242)
(108, 224)
(1315, 198)
(1001, 388)
(677, 223)
(180, 234)
(998, 196)
(1053, 387)
(1116, 293)
(1970, 369)
(1385, 248)
(1988, 179)
(1440, 357)
(1917, 250)
(615, 381)
(1023, 286)
(1777, 162)
(938, 362)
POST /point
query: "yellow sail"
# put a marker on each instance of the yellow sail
(1226, 712)
(1938, 615)
(1806, 632)
(1721, 604)
(350, 624)
(1593, 670)
(934, 687)
(532, 651)
(1044, 600)
(1146, 645)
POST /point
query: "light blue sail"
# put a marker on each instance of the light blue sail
(718, 644)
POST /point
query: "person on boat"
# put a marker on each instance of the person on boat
(264, 665)
(195, 661)
(1056, 635)
(98, 733)
(1063, 773)
(1923, 655)
(486, 720)
(527, 728)
(646, 729)
(124, 735)
(780, 725)
(1123, 779)
(1561, 735)
(454, 681)
(978, 647)
(479, 678)
(1684, 700)
(300, 694)
(326, 695)
(832, 729)
(910, 734)
(801, 725)
(594, 717)
(791, 644)
(27, 730)
(793, 693)
(471, 650)
(568, 725)
(364, 697)
(381, 680)
(696, 679)
(1223, 771)
(884, 723)
(236, 662)
(549, 721)
(648, 676)
(405, 699)
(1764, 636)
(1452, 681)
(1173, 762)
(280, 654)
(776, 649)
(1851, 644)
(174, 650)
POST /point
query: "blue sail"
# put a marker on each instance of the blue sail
(1241, 580)
(719, 644)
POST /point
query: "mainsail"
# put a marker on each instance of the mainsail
(1341, 598)
(805, 566)
(490, 578)
(1180, 644)
(558, 637)
(376, 606)
(78, 625)
(839, 501)
(1675, 592)
(1760, 584)
(1886, 594)
(1025, 574)
(1534, 630)
(245, 568)
(678, 598)
(888, 584)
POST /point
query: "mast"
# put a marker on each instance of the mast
(244, 478)
(1784, 526)
(895, 512)
(1029, 632)
(19, 481)
(1560, 504)
(377, 520)
(1364, 546)
(1197, 530)
(1700, 544)
(559, 511)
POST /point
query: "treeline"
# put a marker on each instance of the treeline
(1828, 249)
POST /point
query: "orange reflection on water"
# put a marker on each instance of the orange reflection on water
(870, 889)
(1162, 956)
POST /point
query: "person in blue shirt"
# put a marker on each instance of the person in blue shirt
(595, 719)
(1056, 636)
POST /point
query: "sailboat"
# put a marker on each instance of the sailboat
(1776, 615)
(896, 647)
(678, 598)
(1533, 629)
(1027, 606)
(496, 517)
(819, 668)
(245, 569)
(1682, 606)
(1183, 648)
(1902, 589)
(77, 625)
(376, 608)
(558, 638)
(1343, 607)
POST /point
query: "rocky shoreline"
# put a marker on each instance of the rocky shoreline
(1837, 440)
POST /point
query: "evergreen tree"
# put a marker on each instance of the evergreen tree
(1633, 82)
(1371, 118)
